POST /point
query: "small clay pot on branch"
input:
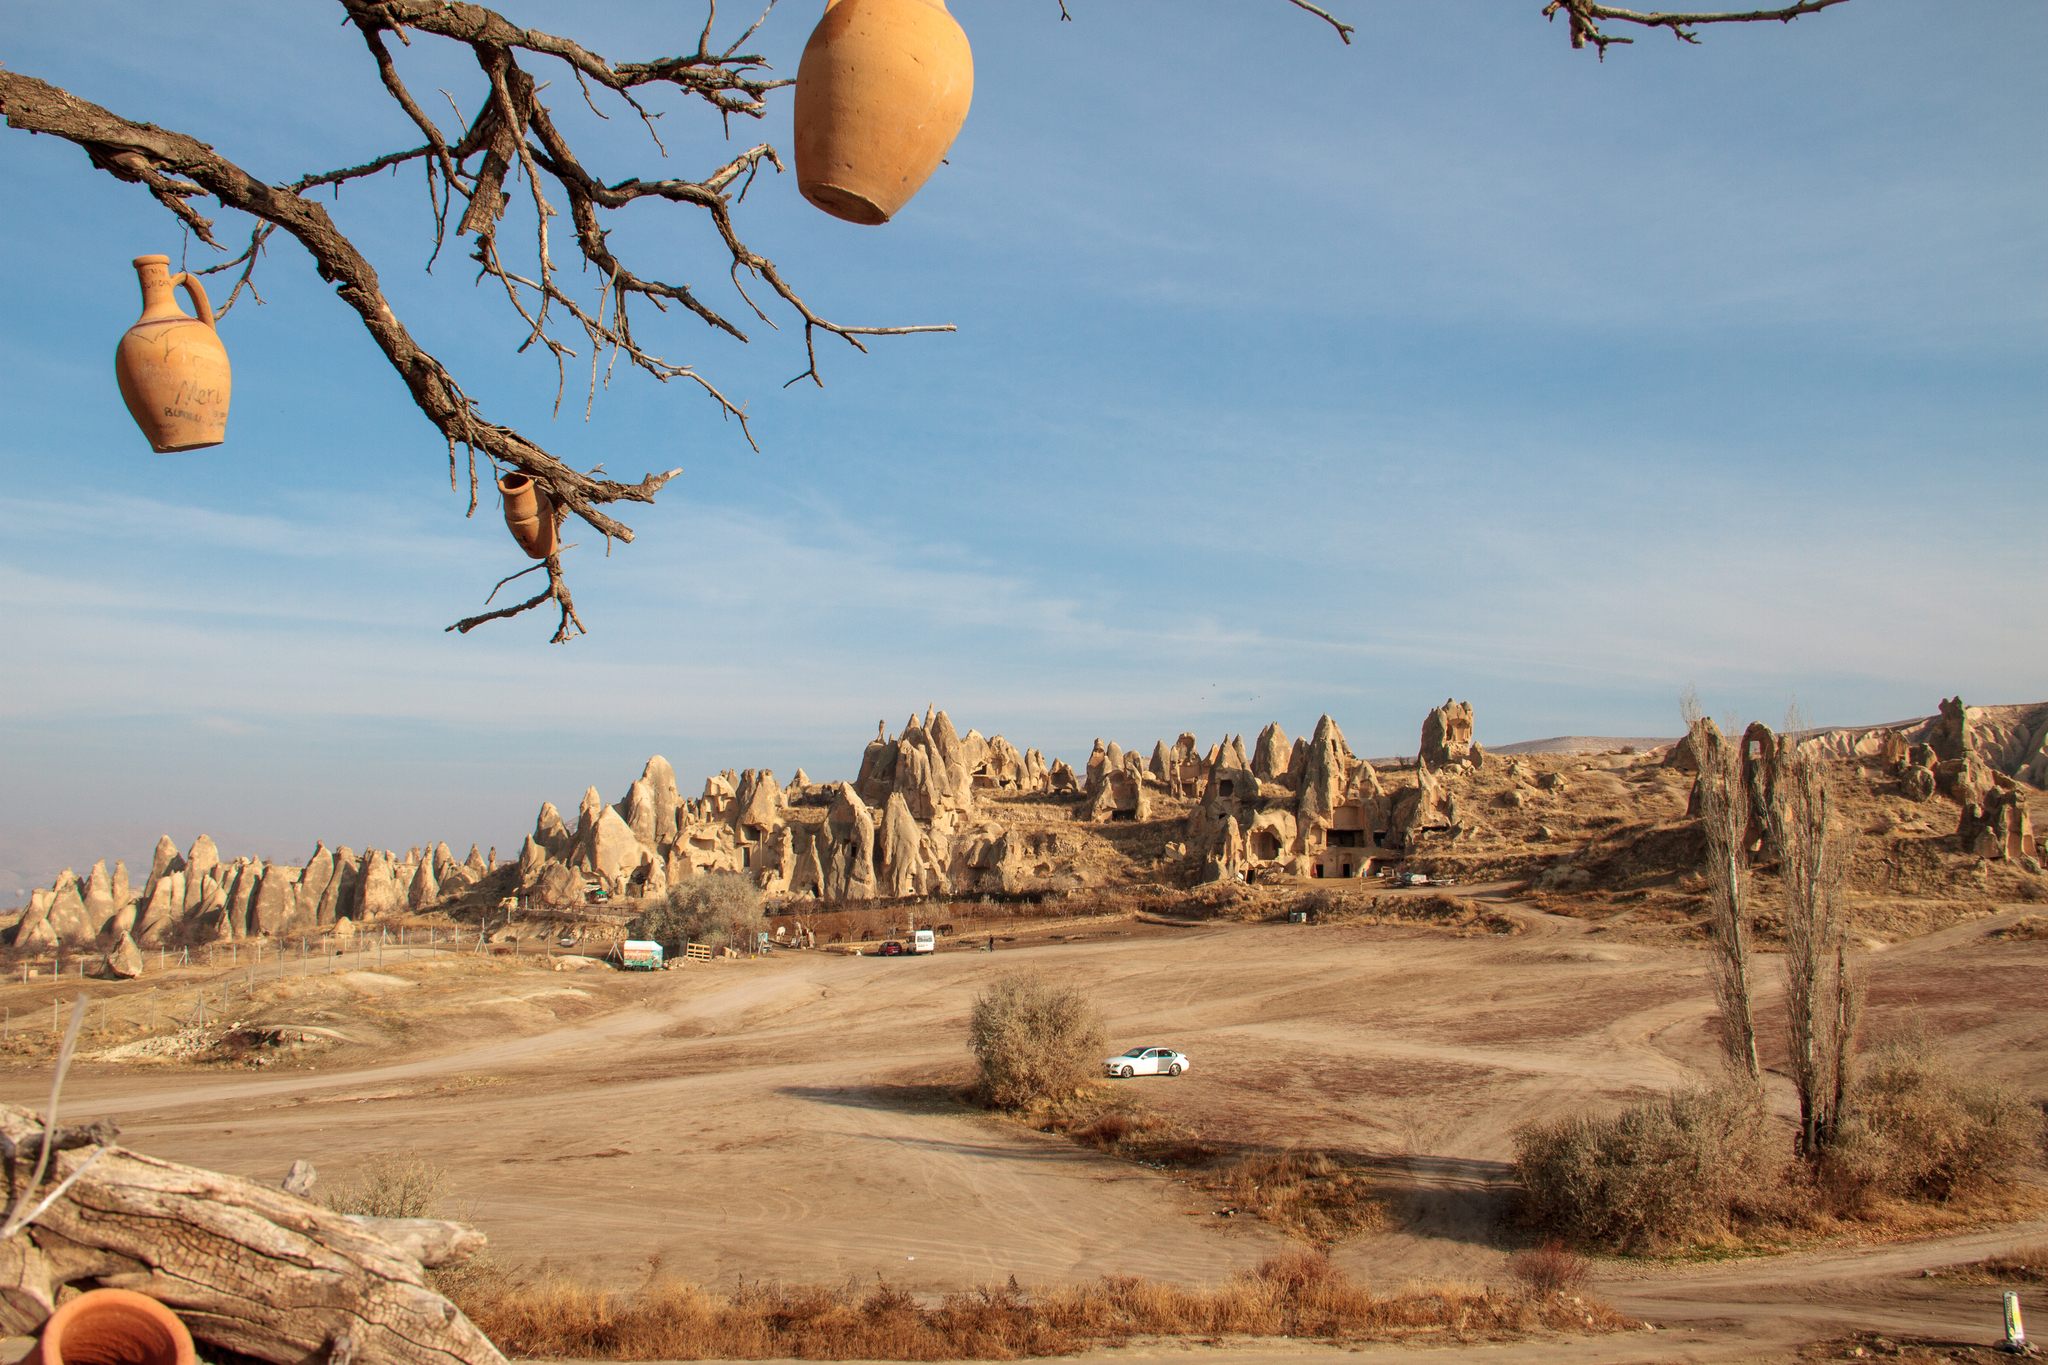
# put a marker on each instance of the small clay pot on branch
(880, 95)
(530, 515)
(113, 1327)
(171, 367)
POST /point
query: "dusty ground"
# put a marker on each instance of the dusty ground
(794, 1117)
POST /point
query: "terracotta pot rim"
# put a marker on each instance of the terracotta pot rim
(125, 1303)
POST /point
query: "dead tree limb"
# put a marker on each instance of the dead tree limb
(466, 175)
(1584, 18)
(248, 1268)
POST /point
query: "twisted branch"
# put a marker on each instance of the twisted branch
(1584, 20)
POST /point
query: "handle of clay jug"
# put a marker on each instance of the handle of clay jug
(196, 292)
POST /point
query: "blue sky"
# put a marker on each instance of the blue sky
(1290, 378)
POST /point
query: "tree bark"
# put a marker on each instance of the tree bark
(249, 1268)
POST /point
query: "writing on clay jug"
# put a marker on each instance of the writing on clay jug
(172, 369)
(881, 93)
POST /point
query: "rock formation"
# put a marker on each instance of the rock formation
(1446, 735)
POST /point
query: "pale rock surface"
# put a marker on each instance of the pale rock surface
(638, 811)
(533, 860)
(425, 888)
(612, 847)
(315, 877)
(660, 778)
(242, 895)
(558, 886)
(67, 909)
(378, 891)
(275, 895)
(98, 897)
(759, 800)
(1446, 735)
(125, 961)
(199, 862)
(902, 845)
(34, 933)
(1270, 756)
(550, 833)
(1326, 776)
(168, 902)
(587, 816)
(167, 860)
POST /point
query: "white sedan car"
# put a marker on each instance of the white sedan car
(1147, 1061)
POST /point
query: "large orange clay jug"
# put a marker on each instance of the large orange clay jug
(171, 366)
(880, 95)
(529, 515)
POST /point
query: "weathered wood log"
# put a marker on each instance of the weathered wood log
(430, 1241)
(249, 1268)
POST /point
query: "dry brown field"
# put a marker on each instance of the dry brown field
(798, 1117)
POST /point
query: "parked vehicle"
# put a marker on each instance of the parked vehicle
(921, 941)
(639, 955)
(892, 948)
(1148, 1061)
(1411, 879)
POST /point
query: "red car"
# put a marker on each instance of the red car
(891, 949)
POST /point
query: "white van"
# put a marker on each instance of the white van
(922, 941)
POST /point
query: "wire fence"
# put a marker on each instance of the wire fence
(123, 1009)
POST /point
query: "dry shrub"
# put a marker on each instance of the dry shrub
(398, 1185)
(2021, 1265)
(1678, 1168)
(1305, 1193)
(1551, 1268)
(2028, 928)
(1295, 1294)
(1919, 1127)
(1034, 1039)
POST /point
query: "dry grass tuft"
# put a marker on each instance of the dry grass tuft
(2028, 928)
(400, 1185)
(1303, 1193)
(2022, 1265)
(1296, 1294)
(1551, 1268)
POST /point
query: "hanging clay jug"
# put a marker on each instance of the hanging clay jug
(113, 1327)
(171, 366)
(880, 95)
(530, 515)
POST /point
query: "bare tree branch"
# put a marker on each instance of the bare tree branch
(557, 591)
(1584, 17)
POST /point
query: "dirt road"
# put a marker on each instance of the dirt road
(793, 1117)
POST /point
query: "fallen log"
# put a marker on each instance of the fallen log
(249, 1268)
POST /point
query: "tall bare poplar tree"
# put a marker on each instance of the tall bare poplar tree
(1823, 996)
(1723, 802)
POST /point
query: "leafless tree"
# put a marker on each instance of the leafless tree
(1723, 802)
(511, 133)
(1823, 993)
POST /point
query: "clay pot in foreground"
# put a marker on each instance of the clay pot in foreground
(880, 95)
(172, 369)
(529, 515)
(113, 1327)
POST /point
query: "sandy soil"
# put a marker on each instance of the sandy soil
(794, 1117)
